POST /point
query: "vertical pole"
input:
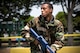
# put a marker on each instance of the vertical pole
(9, 42)
(0, 42)
(18, 41)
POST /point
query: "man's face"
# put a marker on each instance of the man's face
(45, 10)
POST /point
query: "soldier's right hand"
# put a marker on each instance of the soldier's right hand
(25, 32)
(26, 28)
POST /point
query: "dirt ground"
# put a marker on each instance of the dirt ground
(4, 50)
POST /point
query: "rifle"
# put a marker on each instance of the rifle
(44, 44)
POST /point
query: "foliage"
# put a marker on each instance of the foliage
(60, 16)
(13, 8)
(30, 18)
(76, 20)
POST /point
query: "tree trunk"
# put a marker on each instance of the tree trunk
(70, 28)
(70, 24)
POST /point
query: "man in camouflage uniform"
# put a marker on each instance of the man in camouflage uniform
(47, 26)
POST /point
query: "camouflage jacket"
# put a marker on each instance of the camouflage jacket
(52, 31)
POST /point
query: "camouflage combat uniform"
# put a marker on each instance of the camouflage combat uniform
(52, 31)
